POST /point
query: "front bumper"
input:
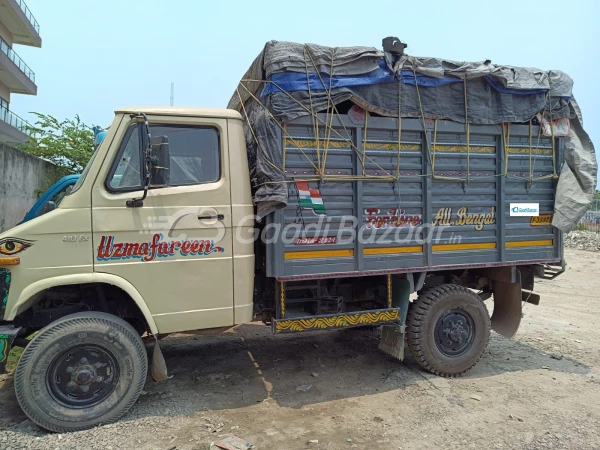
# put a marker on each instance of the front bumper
(8, 333)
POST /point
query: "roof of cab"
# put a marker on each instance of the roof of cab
(182, 111)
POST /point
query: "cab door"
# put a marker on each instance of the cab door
(176, 249)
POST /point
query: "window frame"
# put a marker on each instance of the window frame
(193, 126)
(115, 163)
(143, 140)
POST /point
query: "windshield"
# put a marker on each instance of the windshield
(84, 173)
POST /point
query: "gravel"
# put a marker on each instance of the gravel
(583, 240)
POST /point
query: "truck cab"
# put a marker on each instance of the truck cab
(99, 251)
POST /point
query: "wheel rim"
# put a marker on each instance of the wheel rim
(454, 332)
(83, 376)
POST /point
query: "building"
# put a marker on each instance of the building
(17, 26)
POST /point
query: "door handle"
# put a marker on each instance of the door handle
(218, 217)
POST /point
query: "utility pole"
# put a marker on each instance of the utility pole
(172, 92)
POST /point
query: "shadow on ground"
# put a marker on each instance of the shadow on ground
(247, 366)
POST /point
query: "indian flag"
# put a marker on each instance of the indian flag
(310, 198)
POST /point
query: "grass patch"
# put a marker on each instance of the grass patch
(13, 357)
(15, 354)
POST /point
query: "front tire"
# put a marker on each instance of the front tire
(81, 371)
(448, 328)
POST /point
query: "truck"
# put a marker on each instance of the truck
(305, 205)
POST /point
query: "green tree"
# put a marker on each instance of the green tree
(69, 143)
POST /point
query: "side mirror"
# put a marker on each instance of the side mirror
(48, 206)
(160, 162)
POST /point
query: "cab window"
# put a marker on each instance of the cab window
(126, 173)
(195, 155)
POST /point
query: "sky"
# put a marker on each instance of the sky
(97, 56)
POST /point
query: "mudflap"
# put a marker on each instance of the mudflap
(392, 341)
(158, 369)
(507, 314)
(8, 333)
(392, 336)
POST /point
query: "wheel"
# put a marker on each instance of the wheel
(81, 371)
(447, 329)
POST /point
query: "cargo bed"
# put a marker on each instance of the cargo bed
(471, 221)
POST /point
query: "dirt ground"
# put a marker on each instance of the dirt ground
(335, 390)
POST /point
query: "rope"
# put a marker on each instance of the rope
(553, 154)
(506, 146)
(551, 128)
(422, 113)
(467, 130)
(537, 146)
(276, 122)
(254, 135)
(284, 145)
(282, 298)
(434, 146)
(315, 122)
(399, 140)
(389, 289)
(336, 132)
(328, 123)
(399, 125)
(365, 141)
(530, 154)
(336, 112)
(329, 111)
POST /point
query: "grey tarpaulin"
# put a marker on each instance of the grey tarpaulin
(578, 177)
(495, 94)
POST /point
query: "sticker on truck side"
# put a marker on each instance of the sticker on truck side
(325, 240)
(3, 347)
(10, 246)
(445, 218)
(157, 248)
(541, 220)
(524, 209)
(390, 218)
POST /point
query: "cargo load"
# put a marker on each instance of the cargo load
(290, 81)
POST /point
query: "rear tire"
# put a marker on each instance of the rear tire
(81, 371)
(448, 328)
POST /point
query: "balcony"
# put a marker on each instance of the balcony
(14, 73)
(19, 20)
(12, 127)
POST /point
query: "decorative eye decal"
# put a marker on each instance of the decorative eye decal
(11, 246)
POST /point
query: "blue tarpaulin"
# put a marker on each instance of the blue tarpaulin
(298, 81)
